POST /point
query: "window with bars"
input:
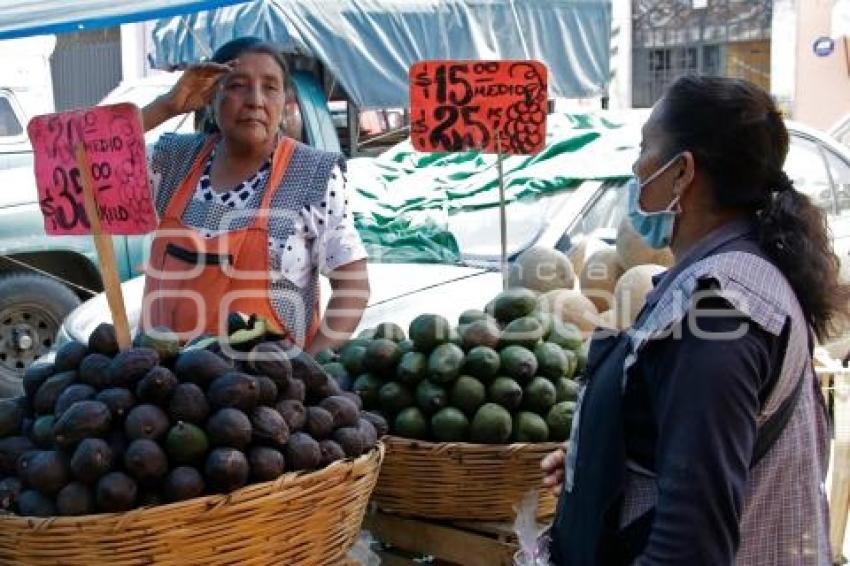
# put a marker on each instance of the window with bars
(671, 38)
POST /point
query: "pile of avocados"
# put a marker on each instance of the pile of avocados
(503, 374)
(102, 430)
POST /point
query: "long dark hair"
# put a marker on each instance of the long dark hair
(232, 50)
(738, 138)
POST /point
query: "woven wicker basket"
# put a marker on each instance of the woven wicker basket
(299, 518)
(461, 481)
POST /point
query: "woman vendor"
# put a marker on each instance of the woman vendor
(249, 217)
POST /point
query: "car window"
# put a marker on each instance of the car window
(840, 171)
(601, 219)
(9, 123)
(805, 166)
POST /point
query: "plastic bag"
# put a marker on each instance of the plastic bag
(362, 552)
(533, 548)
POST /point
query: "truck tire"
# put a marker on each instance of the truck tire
(32, 308)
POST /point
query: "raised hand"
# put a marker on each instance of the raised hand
(194, 90)
(196, 87)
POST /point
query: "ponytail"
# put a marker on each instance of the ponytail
(793, 232)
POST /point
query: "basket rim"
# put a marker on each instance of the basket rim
(287, 481)
(391, 440)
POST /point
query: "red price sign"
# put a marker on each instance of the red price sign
(114, 144)
(490, 106)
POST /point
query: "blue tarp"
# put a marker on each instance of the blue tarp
(369, 45)
(23, 18)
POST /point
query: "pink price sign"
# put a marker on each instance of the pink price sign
(114, 145)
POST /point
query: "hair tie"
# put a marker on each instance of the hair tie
(782, 183)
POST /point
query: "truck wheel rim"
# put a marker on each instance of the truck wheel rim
(26, 332)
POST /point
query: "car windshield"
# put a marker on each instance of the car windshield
(478, 235)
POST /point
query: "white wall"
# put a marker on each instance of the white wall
(823, 83)
(783, 54)
(136, 43)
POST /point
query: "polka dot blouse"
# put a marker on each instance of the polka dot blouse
(322, 235)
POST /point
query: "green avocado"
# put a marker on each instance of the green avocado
(390, 331)
(429, 331)
(480, 333)
(445, 363)
(431, 397)
(518, 363)
(367, 386)
(393, 397)
(472, 315)
(566, 390)
(552, 362)
(512, 304)
(450, 425)
(492, 424)
(482, 362)
(526, 332)
(411, 423)
(530, 427)
(565, 334)
(539, 395)
(560, 420)
(505, 392)
(412, 368)
(468, 394)
(382, 356)
(186, 443)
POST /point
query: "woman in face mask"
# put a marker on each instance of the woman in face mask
(701, 435)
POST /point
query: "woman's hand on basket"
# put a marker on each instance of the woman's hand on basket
(553, 470)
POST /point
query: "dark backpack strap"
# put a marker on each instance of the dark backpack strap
(769, 432)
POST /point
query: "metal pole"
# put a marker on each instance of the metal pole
(503, 224)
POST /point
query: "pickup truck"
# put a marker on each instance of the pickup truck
(26, 89)
(43, 278)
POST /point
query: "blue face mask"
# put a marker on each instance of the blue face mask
(654, 228)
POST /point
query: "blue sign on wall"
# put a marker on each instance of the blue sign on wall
(823, 46)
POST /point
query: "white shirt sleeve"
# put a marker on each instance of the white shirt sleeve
(325, 237)
(337, 242)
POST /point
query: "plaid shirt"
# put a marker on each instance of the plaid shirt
(784, 519)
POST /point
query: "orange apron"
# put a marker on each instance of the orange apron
(193, 283)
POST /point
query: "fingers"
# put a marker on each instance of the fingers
(205, 67)
(553, 461)
(554, 478)
(555, 481)
(208, 93)
(212, 68)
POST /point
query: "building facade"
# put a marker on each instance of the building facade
(799, 50)
(671, 38)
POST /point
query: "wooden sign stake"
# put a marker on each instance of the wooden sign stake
(105, 252)
(847, 54)
(503, 223)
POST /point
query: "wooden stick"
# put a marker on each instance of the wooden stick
(105, 252)
(839, 501)
(503, 222)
